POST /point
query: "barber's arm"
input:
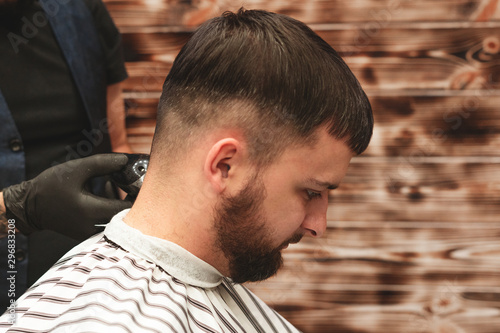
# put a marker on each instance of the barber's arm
(116, 119)
(57, 199)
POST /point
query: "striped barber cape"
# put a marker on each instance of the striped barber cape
(124, 281)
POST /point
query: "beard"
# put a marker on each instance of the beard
(243, 236)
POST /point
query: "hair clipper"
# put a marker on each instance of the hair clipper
(131, 176)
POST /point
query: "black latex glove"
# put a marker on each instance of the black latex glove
(57, 198)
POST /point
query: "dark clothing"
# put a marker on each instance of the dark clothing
(56, 59)
(40, 90)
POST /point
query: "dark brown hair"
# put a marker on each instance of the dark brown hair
(267, 74)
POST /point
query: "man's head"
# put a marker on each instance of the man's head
(277, 206)
(262, 117)
(267, 74)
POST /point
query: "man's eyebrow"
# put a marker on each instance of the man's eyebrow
(319, 183)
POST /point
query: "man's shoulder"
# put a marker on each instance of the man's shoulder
(98, 284)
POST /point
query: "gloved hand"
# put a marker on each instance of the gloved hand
(57, 199)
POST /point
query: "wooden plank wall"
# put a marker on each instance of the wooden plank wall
(413, 240)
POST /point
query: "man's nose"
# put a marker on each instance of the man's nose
(315, 220)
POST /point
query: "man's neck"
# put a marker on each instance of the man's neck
(179, 221)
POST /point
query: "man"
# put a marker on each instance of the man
(60, 99)
(258, 120)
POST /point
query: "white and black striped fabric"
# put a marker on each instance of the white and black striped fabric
(125, 281)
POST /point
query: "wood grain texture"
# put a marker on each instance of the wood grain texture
(391, 277)
(464, 57)
(402, 189)
(414, 127)
(412, 244)
(172, 13)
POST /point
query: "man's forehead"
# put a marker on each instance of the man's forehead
(323, 163)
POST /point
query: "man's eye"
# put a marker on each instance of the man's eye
(313, 194)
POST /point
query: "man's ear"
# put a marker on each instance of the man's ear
(220, 161)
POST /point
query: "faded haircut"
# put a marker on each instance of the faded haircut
(264, 73)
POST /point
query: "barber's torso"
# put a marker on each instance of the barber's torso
(52, 108)
(53, 84)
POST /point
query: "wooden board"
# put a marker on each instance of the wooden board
(463, 57)
(401, 190)
(391, 277)
(416, 127)
(171, 13)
